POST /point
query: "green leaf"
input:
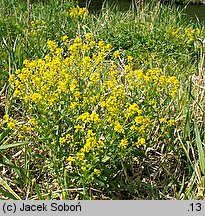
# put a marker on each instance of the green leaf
(6, 195)
(7, 163)
(73, 175)
(4, 134)
(40, 197)
(3, 147)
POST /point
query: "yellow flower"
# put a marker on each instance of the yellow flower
(134, 128)
(171, 122)
(70, 159)
(97, 171)
(73, 105)
(89, 36)
(77, 95)
(76, 12)
(116, 54)
(86, 61)
(26, 62)
(65, 39)
(100, 144)
(92, 44)
(197, 30)
(62, 86)
(33, 121)
(94, 117)
(77, 40)
(124, 143)
(90, 133)
(58, 51)
(52, 99)
(73, 12)
(118, 127)
(73, 85)
(82, 12)
(78, 128)
(163, 120)
(140, 141)
(68, 136)
(87, 147)
(20, 137)
(91, 141)
(27, 128)
(83, 168)
(6, 118)
(108, 47)
(102, 103)
(139, 120)
(36, 97)
(62, 140)
(12, 78)
(101, 44)
(95, 77)
(92, 99)
(80, 155)
(51, 45)
(113, 73)
(85, 117)
(17, 93)
(139, 74)
(133, 109)
(11, 124)
(130, 58)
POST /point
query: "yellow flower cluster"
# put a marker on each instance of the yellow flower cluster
(124, 143)
(65, 39)
(187, 35)
(37, 23)
(103, 105)
(86, 117)
(22, 129)
(11, 123)
(76, 12)
(37, 27)
(118, 127)
(140, 141)
(170, 122)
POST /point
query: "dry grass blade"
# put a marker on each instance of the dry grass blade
(6, 186)
(200, 149)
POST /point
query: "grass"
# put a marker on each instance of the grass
(170, 165)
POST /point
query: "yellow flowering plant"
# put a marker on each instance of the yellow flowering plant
(78, 12)
(38, 28)
(91, 112)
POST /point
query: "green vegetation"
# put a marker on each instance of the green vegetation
(186, 1)
(100, 106)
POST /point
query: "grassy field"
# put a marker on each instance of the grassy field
(100, 106)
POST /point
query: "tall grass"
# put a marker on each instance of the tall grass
(171, 165)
